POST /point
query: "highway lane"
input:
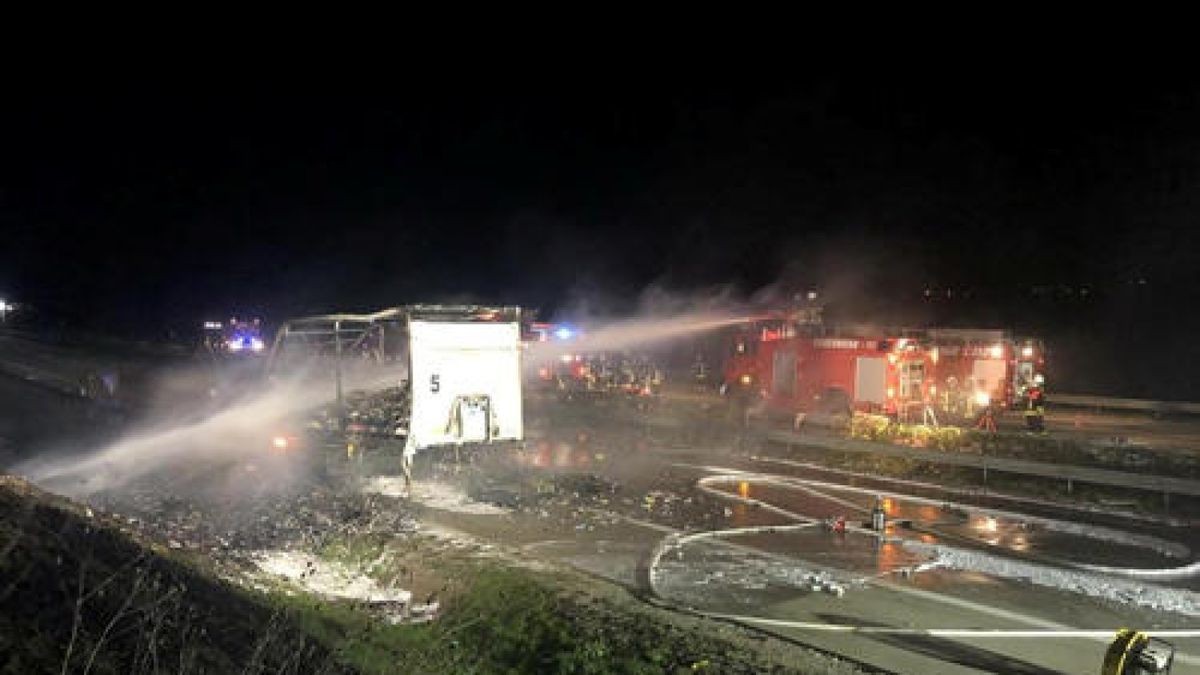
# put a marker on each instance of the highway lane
(944, 620)
(35, 418)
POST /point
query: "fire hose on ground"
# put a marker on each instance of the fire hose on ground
(1044, 629)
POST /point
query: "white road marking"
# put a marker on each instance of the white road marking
(1005, 633)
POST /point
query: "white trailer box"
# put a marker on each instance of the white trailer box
(466, 383)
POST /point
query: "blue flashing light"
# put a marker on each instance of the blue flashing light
(564, 333)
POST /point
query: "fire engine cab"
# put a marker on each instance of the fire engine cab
(979, 367)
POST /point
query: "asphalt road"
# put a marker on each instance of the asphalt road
(900, 623)
(35, 418)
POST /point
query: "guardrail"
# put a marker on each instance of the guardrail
(1134, 404)
(1069, 472)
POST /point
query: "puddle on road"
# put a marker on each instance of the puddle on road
(932, 523)
(857, 554)
(1031, 538)
(794, 500)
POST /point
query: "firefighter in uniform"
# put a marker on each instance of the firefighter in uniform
(700, 373)
(928, 416)
(951, 397)
(1035, 405)
(740, 395)
(987, 418)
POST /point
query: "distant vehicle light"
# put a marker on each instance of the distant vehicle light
(564, 333)
(212, 325)
(988, 524)
(257, 344)
(280, 443)
(982, 399)
(567, 358)
(997, 351)
(746, 380)
(235, 345)
(1027, 352)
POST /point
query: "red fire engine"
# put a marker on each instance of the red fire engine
(902, 372)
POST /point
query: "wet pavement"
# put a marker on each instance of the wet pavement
(778, 575)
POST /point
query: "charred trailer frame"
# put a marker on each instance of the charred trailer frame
(460, 364)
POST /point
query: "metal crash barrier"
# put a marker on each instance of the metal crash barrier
(1135, 653)
(1129, 404)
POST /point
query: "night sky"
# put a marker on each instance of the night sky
(133, 203)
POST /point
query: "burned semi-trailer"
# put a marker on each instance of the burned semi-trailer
(414, 378)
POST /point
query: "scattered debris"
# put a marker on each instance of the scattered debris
(435, 495)
(338, 581)
(736, 576)
(211, 521)
(1098, 586)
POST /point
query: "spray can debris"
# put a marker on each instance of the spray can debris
(878, 517)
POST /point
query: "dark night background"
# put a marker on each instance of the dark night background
(1056, 205)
